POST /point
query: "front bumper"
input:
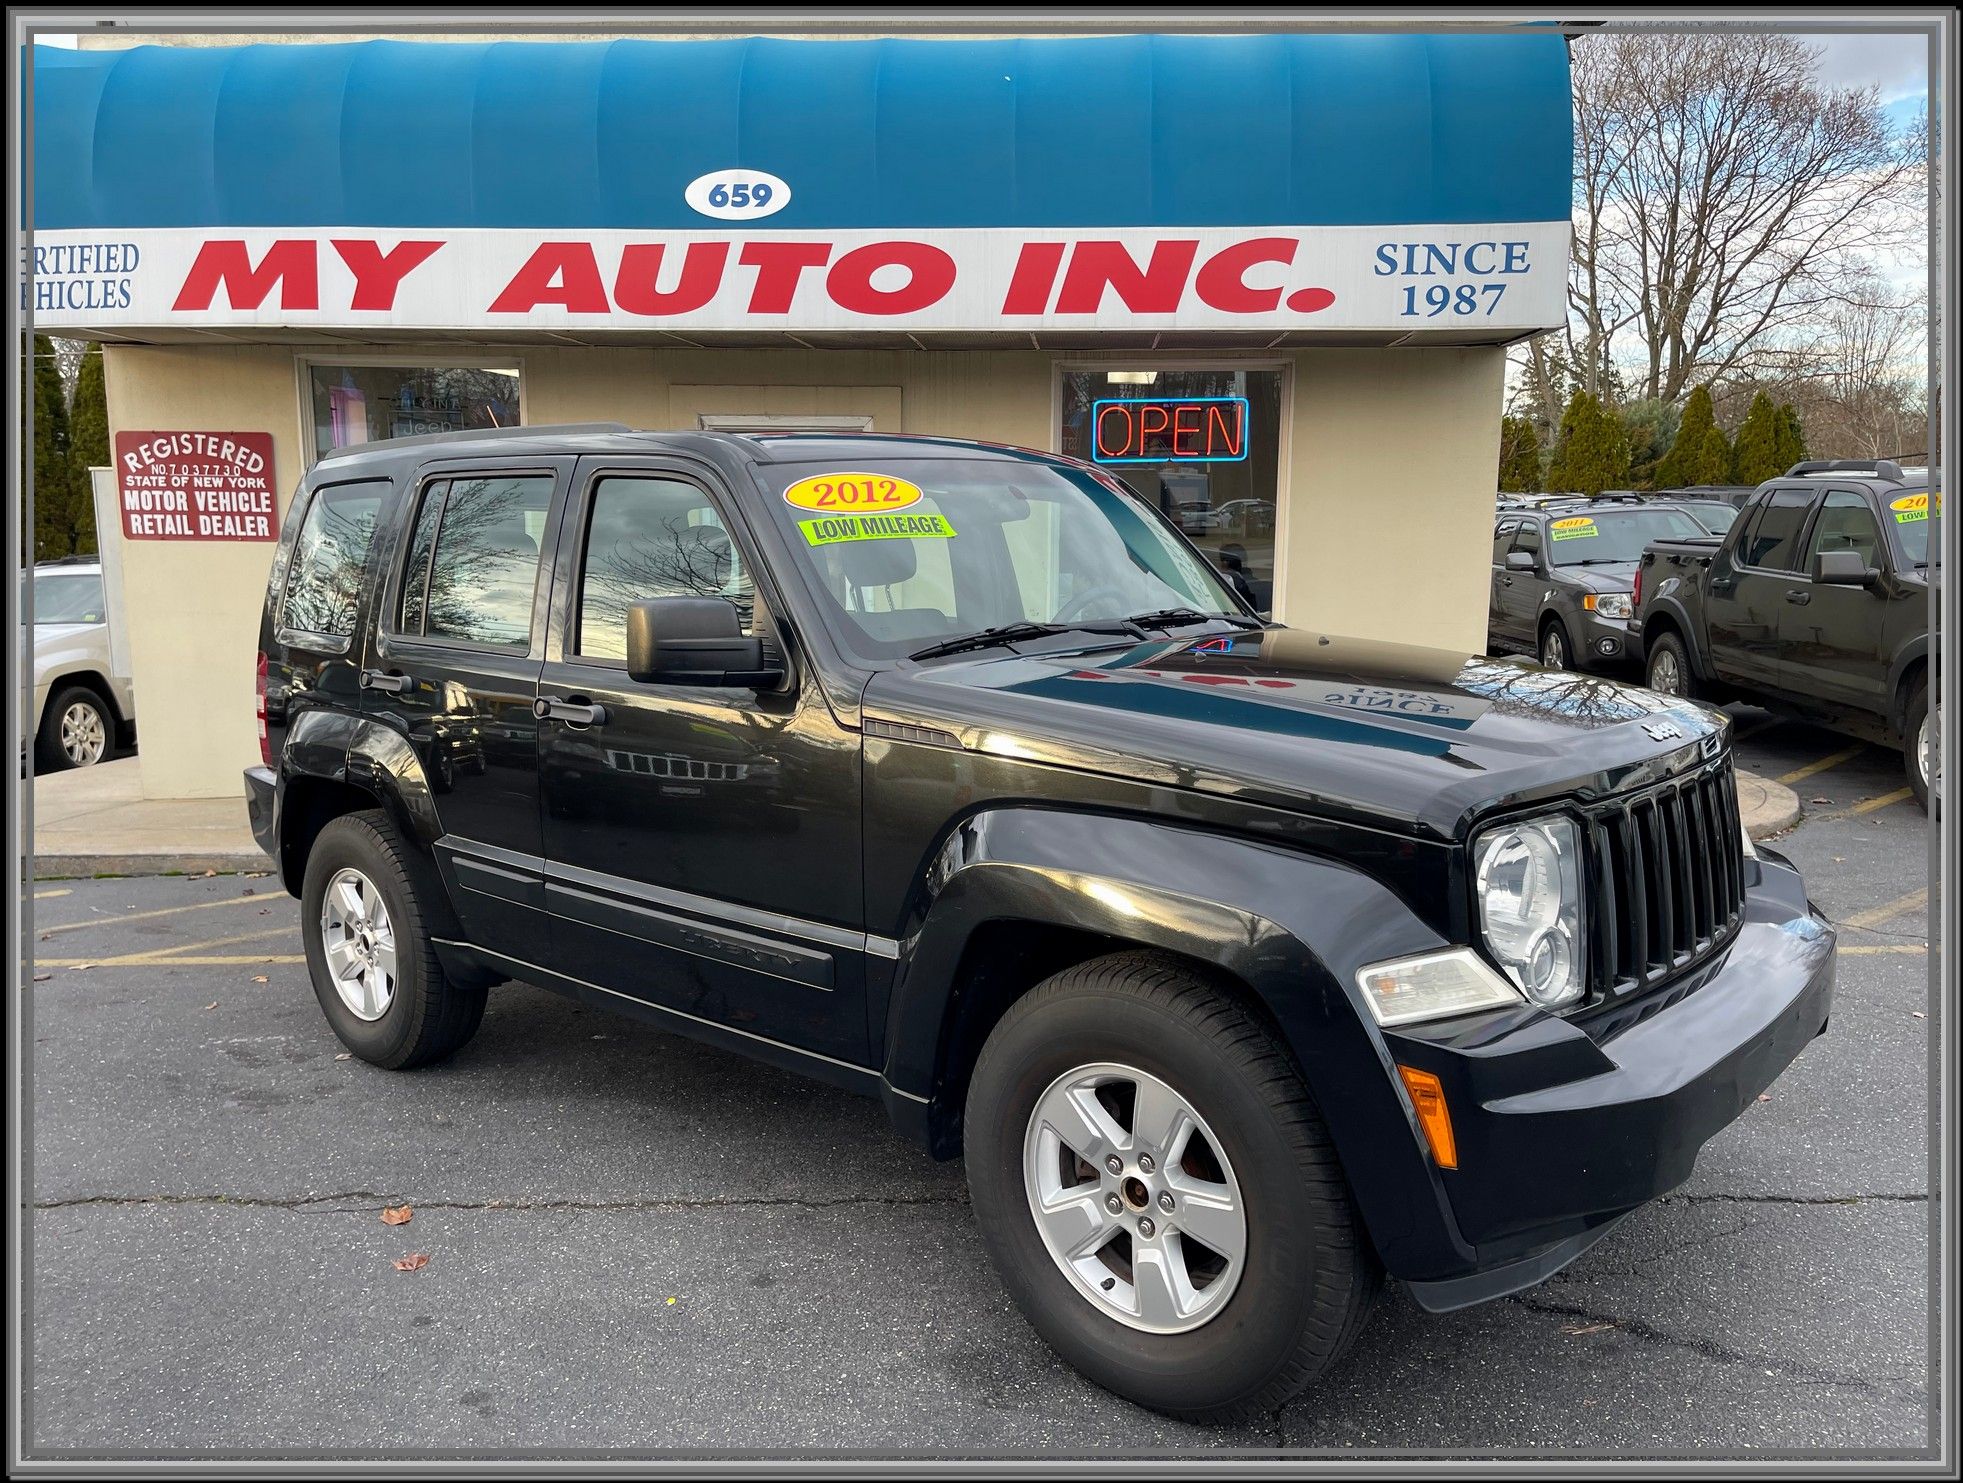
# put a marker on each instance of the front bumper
(1606, 641)
(1564, 1126)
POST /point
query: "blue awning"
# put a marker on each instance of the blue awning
(1148, 131)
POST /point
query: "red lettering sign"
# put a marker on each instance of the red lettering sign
(187, 486)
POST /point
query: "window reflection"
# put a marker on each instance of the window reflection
(653, 538)
(478, 582)
(323, 580)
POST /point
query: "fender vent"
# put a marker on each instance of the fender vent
(925, 736)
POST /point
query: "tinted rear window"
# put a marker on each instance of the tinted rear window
(323, 580)
(477, 585)
(1773, 540)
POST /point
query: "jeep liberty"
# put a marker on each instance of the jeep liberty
(1244, 965)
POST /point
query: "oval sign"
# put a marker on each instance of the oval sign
(864, 494)
(1573, 522)
(737, 195)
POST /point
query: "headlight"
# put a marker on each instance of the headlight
(1751, 850)
(1529, 881)
(1432, 986)
(1612, 605)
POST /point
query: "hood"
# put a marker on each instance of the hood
(1614, 576)
(1422, 740)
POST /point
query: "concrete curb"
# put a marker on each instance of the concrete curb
(1766, 808)
(190, 862)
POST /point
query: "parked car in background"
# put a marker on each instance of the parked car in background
(1240, 964)
(1725, 494)
(1815, 604)
(1562, 571)
(82, 707)
(1715, 515)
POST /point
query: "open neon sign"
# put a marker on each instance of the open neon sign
(1204, 429)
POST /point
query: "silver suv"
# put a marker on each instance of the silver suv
(82, 706)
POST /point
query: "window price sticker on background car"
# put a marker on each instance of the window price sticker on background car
(828, 529)
(862, 494)
(1573, 528)
(1912, 507)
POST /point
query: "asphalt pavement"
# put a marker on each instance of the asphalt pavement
(636, 1244)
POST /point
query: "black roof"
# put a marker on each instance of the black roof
(618, 438)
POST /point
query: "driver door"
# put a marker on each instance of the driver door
(701, 843)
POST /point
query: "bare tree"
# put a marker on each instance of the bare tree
(1722, 194)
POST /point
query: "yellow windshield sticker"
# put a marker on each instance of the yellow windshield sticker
(1912, 507)
(828, 529)
(859, 493)
(1573, 527)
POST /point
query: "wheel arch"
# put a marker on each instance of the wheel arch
(334, 764)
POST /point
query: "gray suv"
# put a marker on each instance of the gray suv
(1562, 575)
(83, 708)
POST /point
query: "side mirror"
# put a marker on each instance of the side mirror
(1841, 569)
(1520, 561)
(693, 641)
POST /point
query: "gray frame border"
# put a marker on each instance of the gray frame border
(1940, 23)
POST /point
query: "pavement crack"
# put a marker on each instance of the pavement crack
(1718, 1199)
(360, 1201)
(1649, 1333)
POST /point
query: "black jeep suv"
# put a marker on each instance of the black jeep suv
(1244, 964)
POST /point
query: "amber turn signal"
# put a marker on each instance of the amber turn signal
(1428, 1097)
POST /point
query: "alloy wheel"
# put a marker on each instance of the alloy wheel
(84, 735)
(1664, 675)
(1554, 650)
(1929, 751)
(359, 942)
(1134, 1198)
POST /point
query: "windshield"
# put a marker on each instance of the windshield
(1911, 514)
(907, 552)
(68, 597)
(1615, 535)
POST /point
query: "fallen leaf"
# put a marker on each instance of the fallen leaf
(1587, 1328)
(346, 1055)
(259, 978)
(1840, 859)
(397, 1215)
(41, 978)
(212, 1005)
(81, 967)
(415, 1261)
(248, 891)
(211, 872)
(1823, 800)
(1913, 1013)
(47, 936)
(1765, 1096)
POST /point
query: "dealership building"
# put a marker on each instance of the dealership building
(1267, 279)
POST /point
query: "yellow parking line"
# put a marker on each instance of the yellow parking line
(168, 911)
(170, 954)
(1865, 806)
(1887, 947)
(1800, 774)
(1874, 916)
(205, 962)
(50, 895)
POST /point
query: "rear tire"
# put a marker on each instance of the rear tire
(77, 730)
(1922, 746)
(1305, 1277)
(393, 1006)
(1667, 669)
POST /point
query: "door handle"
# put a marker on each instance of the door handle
(1506, 581)
(1798, 598)
(374, 679)
(576, 712)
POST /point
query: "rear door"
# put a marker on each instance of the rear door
(702, 842)
(1502, 540)
(455, 667)
(1830, 636)
(1746, 593)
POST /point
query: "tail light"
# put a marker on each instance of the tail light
(1636, 592)
(259, 696)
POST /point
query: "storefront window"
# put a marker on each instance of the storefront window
(1204, 445)
(365, 404)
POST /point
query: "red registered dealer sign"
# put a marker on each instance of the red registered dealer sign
(196, 486)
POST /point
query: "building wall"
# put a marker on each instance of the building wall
(1384, 527)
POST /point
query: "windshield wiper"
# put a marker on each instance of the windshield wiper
(1186, 617)
(1009, 633)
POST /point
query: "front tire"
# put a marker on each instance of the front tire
(77, 730)
(364, 913)
(1555, 651)
(1922, 746)
(1221, 1266)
